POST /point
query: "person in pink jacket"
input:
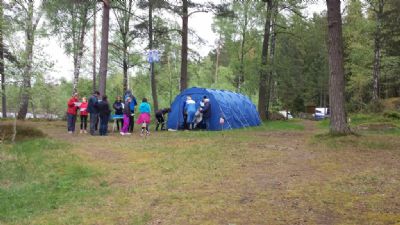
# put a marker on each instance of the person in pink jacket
(84, 114)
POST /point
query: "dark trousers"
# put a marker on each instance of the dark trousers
(119, 121)
(185, 122)
(93, 121)
(160, 120)
(103, 124)
(71, 119)
(131, 123)
(207, 123)
(83, 122)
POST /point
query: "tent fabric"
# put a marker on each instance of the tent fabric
(236, 109)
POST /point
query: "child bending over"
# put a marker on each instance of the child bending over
(160, 114)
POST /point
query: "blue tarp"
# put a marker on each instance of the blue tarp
(237, 109)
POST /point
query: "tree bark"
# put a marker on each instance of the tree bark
(152, 74)
(262, 89)
(218, 53)
(377, 51)
(94, 87)
(338, 123)
(170, 80)
(26, 82)
(242, 43)
(3, 76)
(272, 59)
(104, 47)
(126, 43)
(33, 108)
(125, 70)
(125, 54)
(184, 49)
(78, 54)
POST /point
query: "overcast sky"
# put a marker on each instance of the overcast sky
(200, 22)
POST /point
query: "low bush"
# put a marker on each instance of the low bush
(392, 115)
(376, 106)
(24, 132)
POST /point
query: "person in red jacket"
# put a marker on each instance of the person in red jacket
(73, 105)
(84, 114)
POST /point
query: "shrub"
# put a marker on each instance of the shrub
(24, 132)
(375, 107)
(276, 116)
(392, 115)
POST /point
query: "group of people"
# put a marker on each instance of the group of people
(98, 108)
(196, 117)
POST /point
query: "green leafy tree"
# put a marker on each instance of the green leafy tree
(71, 20)
(27, 16)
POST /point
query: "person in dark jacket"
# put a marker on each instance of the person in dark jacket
(160, 117)
(206, 110)
(73, 104)
(93, 110)
(132, 106)
(104, 114)
(118, 107)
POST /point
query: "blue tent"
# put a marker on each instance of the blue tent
(237, 109)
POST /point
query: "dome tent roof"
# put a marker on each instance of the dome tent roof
(237, 109)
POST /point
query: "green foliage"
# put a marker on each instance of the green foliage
(358, 119)
(392, 115)
(299, 68)
(70, 20)
(375, 107)
(358, 44)
(298, 105)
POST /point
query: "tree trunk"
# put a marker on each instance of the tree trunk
(338, 123)
(184, 49)
(33, 108)
(217, 60)
(78, 53)
(104, 47)
(14, 135)
(125, 70)
(26, 82)
(78, 62)
(3, 76)
(240, 79)
(170, 80)
(262, 90)
(272, 59)
(126, 42)
(377, 51)
(94, 87)
(152, 74)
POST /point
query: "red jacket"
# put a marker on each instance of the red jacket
(83, 109)
(72, 108)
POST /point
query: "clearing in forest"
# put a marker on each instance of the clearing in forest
(280, 173)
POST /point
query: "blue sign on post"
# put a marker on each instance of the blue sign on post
(153, 56)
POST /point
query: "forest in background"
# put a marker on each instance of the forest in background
(295, 68)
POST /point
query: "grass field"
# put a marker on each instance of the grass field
(284, 172)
